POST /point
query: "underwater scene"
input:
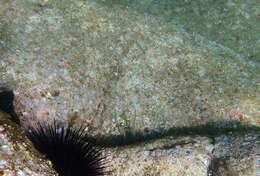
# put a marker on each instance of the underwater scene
(129, 87)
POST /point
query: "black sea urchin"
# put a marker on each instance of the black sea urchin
(71, 154)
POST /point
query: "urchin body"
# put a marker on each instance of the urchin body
(68, 149)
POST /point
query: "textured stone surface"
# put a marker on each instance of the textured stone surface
(115, 68)
(17, 155)
(118, 66)
(233, 24)
(227, 156)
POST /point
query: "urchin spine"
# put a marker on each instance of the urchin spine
(68, 149)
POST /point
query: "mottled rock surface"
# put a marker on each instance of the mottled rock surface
(17, 155)
(120, 66)
(233, 25)
(115, 68)
(227, 156)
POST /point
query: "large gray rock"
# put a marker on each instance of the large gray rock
(114, 68)
(125, 66)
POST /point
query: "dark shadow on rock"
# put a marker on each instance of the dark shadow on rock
(211, 129)
(131, 137)
(6, 103)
